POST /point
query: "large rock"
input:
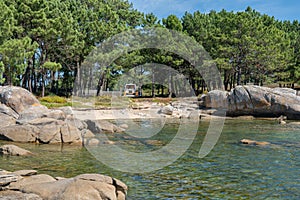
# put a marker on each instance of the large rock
(13, 150)
(19, 133)
(42, 130)
(17, 98)
(85, 186)
(263, 102)
(256, 101)
(56, 131)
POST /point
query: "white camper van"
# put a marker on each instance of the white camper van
(130, 90)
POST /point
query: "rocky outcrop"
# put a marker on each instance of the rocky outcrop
(13, 150)
(24, 119)
(256, 101)
(16, 98)
(23, 185)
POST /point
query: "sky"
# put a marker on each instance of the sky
(280, 9)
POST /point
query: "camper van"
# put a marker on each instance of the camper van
(131, 90)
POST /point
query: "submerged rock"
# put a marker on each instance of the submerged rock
(253, 142)
(13, 150)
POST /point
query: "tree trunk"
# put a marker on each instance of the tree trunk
(100, 82)
(43, 84)
(239, 75)
(152, 85)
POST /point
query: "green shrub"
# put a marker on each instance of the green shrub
(53, 99)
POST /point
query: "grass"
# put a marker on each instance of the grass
(100, 102)
(55, 101)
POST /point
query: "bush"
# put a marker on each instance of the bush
(53, 99)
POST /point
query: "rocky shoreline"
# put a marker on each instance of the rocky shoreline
(28, 184)
(24, 119)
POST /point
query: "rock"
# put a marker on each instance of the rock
(215, 99)
(32, 113)
(25, 172)
(95, 177)
(19, 133)
(167, 110)
(8, 111)
(70, 134)
(67, 110)
(253, 142)
(246, 117)
(122, 187)
(6, 120)
(7, 179)
(4, 172)
(13, 150)
(17, 98)
(263, 102)
(102, 126)
(16, 195)
(81, 125)
(37, 112)
(282, 122)
(31, 180)
(87, 133)
(55, 114)
(53, 131)
(154, 142)
(43, 130)
(256, 101)
(209, 111)
(91, 142)
(288, 91)
(85, 186)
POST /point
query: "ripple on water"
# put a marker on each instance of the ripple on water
(230, 171)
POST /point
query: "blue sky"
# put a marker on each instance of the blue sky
(280, 9)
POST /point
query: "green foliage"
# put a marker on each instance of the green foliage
(44, 41)
(53, 66)
(43, 45)
(248, 47)
(53, 99)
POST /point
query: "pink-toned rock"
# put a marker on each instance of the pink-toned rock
(17, 98)
(253, 142)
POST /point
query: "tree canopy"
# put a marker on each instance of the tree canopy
(43, 45)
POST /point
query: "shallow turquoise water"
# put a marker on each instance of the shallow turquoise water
(230, 171)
